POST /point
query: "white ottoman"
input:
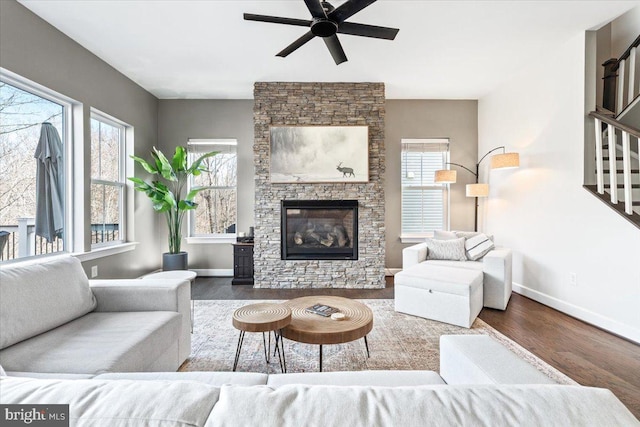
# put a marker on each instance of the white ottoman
(179, 275)
(450, 295)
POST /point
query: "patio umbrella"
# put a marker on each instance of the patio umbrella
(49, 184)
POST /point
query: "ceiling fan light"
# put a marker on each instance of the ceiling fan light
(445, 176)
(506, 160)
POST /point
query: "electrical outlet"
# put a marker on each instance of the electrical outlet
(94, 271)
(573, 279)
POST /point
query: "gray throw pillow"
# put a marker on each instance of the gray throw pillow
(446, 249)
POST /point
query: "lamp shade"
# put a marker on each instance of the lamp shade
(445, 176)
(477, 190)
(506, 160)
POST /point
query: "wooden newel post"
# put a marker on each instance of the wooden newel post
(610, 78)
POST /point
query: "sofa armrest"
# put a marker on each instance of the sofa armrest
(148, 295)
(496, 266)
(414, 255)
(140, 294)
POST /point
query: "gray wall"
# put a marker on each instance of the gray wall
(179, 120)
(457, 120)
(34, 49)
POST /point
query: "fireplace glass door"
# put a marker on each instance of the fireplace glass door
(319, 229)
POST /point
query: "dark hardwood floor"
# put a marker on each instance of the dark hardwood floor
(585, 353)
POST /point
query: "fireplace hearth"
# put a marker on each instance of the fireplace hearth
(319, 229)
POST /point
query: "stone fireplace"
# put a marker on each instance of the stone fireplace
(322, 104)
(319, 229)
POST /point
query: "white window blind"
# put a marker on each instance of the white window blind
(424, 202)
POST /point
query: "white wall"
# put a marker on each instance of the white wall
(554, 226)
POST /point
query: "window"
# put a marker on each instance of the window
(34, 147)
(216, 212)
(424, 202)
(107, 180)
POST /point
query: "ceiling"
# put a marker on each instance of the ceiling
(204, 49)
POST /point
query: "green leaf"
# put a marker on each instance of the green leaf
(194, 191)
(179, 161)
(164, 167)
(187, 205)
(146, 165)
(195, 166)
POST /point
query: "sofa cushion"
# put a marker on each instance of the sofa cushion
(358, 378)
(436, 405)
(118, 403)
(469, 265)
(446, 249)
(215, 379)
(37, 297)
(97, 343)
(456, 281)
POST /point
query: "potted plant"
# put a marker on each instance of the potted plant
(166, 194)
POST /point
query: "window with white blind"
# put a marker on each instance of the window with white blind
(216, 216)
(425, 203)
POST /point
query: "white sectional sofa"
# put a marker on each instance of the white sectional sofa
(452, 291)
(54, 321)
(481, 384)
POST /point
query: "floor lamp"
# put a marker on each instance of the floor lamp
(477, 190)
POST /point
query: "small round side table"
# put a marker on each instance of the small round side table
(262, 317)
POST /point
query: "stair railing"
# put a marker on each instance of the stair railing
(618, 74)
(627, 132)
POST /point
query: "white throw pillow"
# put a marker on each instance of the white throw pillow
(2, 372)
(445, 235)
(446, 249)
(467, 234)
(478, 246)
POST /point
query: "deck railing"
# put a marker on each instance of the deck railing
(20, 240)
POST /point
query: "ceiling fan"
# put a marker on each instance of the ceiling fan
(326, 23)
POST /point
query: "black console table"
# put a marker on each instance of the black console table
(242, 264)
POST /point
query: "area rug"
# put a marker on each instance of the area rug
(397, 341)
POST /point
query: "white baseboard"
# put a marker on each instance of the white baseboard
(209, 272)
(583, 314)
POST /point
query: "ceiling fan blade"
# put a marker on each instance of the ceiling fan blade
(348, 9)
(316, 9)
(296, 44)
(334, 46)
(365, 30)
(277, 20)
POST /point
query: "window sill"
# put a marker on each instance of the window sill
(415, 238)
(211, 240)
(105, 251)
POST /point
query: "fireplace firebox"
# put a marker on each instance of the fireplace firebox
(319, 229)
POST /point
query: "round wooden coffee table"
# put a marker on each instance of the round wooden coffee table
(313, 328)
(262, 317)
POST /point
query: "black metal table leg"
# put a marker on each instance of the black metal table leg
(279, 348)
(266, 350)
(366, 344)
(320, 357)
(238, 348)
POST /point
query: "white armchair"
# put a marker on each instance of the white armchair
(495, 266)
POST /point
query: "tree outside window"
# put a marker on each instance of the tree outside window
(216, 214)
(107, 180)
